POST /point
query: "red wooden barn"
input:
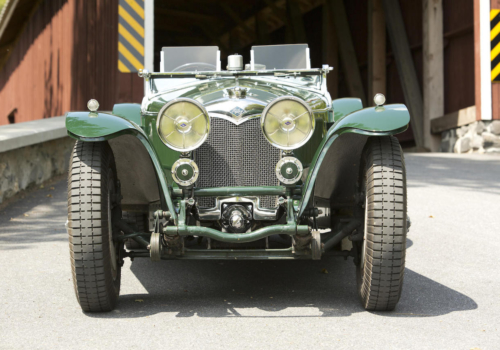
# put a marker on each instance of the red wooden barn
(432, 55)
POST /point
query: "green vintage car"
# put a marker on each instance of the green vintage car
(252, 162)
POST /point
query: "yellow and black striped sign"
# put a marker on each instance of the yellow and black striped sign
(495, 45)
(130, 35)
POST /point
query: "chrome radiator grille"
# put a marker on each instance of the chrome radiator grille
(236, 155)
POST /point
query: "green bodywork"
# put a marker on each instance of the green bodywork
(129, 111)
(374, 121)
(140, 121)
(92, 127)
(344, 106)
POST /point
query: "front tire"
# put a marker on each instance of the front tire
(91, 205)
(381, 269)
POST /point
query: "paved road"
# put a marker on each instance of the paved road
(450, 298)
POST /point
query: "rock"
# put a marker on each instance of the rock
(490, 140)
(463, 145)
(478, 127)
(448, 140)
(476, 142)
(494, 127)
(475, 128)
(462, 131)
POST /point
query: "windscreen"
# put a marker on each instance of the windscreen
(189, 58)
(281, 56)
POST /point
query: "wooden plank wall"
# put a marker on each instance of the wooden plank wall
(459, 79)
(66, 55)
(458, 36)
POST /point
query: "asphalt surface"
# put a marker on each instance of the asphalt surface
(450, 297)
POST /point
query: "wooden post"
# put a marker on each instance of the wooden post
(406, 67)
(482, 59)
(296, 22)
(376, 50)
(149, 28)
(330, 52)
(262, 31)
(433, 69)
(347, 54)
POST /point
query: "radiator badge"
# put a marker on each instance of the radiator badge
(237, 111)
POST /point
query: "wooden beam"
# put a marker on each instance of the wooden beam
(166, 12)
(277, 11)
(453, 120)
(4, 56)
(235, 17)
(406, 67)
(477, 58)
(262, 31)
(180, 39)
(296, 22)
(274, 21)
(433, 79)
(172, 27)
(7, 47)
(347, 53)
(234, 42)
(330, 51)
(376, 50)
(210, 35)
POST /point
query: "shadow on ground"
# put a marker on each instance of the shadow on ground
(292, 288)
(450, 170)
(258, 288)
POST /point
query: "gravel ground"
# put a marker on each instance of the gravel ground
(450, 298)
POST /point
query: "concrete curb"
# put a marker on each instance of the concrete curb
(20, 135)
(32, 153)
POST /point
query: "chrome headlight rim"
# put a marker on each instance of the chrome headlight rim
(295, 99)
(160, 116)
(290, 178)
(181, 180)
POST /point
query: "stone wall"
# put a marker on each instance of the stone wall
(478, 137)
(24, 167)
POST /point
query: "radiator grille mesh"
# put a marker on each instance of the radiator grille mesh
(236, 155)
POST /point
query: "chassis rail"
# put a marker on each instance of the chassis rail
(291, 230)
(239, 254)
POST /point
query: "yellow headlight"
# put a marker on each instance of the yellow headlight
(287, 122)
(183, 124)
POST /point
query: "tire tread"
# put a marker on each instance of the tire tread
(88, 226)
(382, 276)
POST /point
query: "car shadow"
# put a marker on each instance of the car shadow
(230, 288)
(325, 288)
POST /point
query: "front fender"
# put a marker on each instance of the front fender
(129, 111)
(98, 126)
(94, 127)
(344, 106)
(375, 121)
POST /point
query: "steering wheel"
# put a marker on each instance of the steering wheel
(195, 66)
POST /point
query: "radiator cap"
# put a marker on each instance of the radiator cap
(234, 62)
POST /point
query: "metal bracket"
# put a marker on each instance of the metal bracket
(316, 245)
